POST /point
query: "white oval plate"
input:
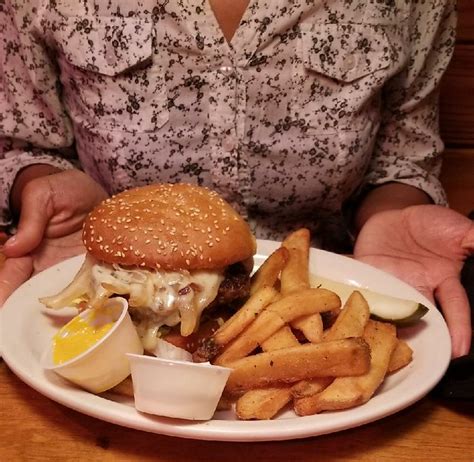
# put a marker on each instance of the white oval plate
(27, 328)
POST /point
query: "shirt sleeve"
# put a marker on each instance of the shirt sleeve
(34, 127)
(408, 148)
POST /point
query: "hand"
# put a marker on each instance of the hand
(425, 245)
(53, 209)
(15, 271)
(53, 206)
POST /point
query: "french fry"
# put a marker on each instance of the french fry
(346, 357)
(310, 387)
(263, 403)
(347, 392)
(268, 273)
(352, 320)
(311, 326)
(402, 356)
(245, 316)
(266, 324)
(295, 275)
(283, 338)
(303, 303)
(211, 347)
(350, 323)
(274, 317)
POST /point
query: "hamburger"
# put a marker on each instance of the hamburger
(173, 250)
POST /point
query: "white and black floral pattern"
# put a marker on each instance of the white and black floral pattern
(310, 102)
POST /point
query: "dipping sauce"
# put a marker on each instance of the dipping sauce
(91, 350)
(80, 334)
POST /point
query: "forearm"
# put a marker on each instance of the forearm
(388, 197)
(408, 147)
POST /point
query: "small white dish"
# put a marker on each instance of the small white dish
(105, 364)
(179, 389)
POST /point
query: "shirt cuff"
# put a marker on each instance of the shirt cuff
(411, 175)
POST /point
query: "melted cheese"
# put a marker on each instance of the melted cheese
(163, 298)
(173, 297)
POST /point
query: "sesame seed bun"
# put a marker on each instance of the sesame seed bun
(170, 227)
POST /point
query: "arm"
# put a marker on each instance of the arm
(39, 185)
(404, 226)
(408, 151)
(34, 127)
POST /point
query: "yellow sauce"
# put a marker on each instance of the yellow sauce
(78, 335)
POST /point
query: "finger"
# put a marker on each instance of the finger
(468, 241)
(455, 306)
(64, 224)
(36, 211)
(14, 272)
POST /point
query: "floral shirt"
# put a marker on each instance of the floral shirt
(307, 105)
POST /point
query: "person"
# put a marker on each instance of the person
(317, 114)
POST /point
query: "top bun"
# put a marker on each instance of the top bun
(170, 227)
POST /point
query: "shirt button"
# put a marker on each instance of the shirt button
(228, 144)
(226, 70)
(349, 63)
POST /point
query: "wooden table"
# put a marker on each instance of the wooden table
(32, 428)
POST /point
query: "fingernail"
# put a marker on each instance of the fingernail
(10, 242)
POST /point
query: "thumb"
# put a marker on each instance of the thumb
(13, 273)
(36, 211)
